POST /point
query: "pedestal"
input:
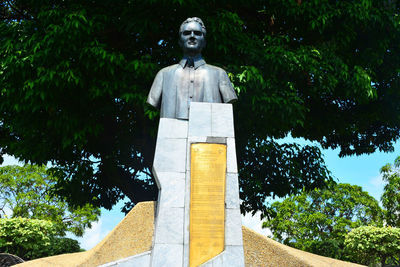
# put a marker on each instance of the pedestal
(209, 123)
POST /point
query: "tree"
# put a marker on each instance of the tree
(25, 192)
(318, 221)
(32, 238)
(369, 245)
(74, 76)
(391, 193)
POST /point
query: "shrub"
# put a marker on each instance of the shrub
(27, 238)
(369, 245)
(32, 238)
(61, 245)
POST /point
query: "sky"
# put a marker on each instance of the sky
(358, 170)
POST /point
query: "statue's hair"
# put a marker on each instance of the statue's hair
(195, 19)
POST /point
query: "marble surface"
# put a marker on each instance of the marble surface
(231, 163)
(171, 196)
(200, 119)
(172, 128)
(170, 155)
(142, 259)
(222, 120)
(167, 255)
(232, 191)
(169, 226)
(208, 123)
(233, 228)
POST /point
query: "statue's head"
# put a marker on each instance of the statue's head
(192, 36)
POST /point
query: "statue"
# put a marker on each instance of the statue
(192, 80)
(198, 217)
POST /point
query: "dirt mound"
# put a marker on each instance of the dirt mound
(134, 234)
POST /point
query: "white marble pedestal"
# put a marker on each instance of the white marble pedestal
(208, 123)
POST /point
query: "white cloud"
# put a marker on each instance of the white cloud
(254, 223)
(374, 186)
(377, 181)
(93, 235)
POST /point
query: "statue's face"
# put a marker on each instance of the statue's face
(192, 38)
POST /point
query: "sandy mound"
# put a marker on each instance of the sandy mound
(133, 235)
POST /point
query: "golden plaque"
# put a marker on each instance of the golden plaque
(207, 202)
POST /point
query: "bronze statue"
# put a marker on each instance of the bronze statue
(192, 80)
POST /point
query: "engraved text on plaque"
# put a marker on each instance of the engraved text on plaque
(207, 202)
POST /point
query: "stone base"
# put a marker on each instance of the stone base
(208, 123)
(142, 259)
(138, 229)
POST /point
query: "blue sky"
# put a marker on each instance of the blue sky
(359, 170)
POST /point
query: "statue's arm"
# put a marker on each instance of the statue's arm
(154, 97)
(226, 88)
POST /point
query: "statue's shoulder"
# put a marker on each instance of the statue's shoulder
(169, 68)
(214, 68)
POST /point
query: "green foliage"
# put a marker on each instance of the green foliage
(61, 245)
(32, 238)
(26, 192)
(318, 221)
(74, 76)
(27, 238)
(369, 245)
(391, 194)
(298, 166)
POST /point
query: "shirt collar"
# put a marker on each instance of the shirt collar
(198, 61)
